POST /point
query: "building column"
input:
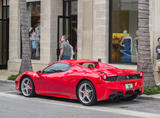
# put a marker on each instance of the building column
(93, 33)
(154, 33)
(50, 9)
(101, 30)
(45, 40)
(85, 28)
(154, 25)
(14, 36)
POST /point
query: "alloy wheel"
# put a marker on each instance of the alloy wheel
(27, 87)
(86, 93)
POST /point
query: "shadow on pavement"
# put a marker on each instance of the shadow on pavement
(107, 103)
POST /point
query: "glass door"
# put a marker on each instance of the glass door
(63, 29)
(4, 33)
(67, 24)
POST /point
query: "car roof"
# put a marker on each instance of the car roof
(78, 61)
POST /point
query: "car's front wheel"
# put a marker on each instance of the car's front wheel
(86, 93)
(27, 87)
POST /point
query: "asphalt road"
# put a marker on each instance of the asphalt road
(14, 105)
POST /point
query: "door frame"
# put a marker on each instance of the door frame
(5, 21)
(70, 17)
(58, 31)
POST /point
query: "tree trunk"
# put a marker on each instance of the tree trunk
(26, 64)
(144, 50)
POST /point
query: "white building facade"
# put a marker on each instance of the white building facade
(97, 29)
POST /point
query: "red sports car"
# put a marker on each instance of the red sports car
(86, 80)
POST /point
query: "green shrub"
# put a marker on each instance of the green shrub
(151, 91)
(13, 77)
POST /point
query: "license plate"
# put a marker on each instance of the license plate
(129, 86)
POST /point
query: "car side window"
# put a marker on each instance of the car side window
(57, 67)
(89, 65)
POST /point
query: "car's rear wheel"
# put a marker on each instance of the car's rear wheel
(27, 87)
(86, 93)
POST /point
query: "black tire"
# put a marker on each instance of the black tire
(31, 92)
(93, 96)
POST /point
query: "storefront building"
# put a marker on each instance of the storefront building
(97, 29)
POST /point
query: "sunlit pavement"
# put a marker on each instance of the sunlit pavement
(14, 105)
(4, 74)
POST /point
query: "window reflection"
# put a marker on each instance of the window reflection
(124, 27)
(57, 67)
(34, 31)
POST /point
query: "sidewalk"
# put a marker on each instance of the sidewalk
(156, 96)
(4, 74)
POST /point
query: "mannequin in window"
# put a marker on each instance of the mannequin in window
(37, 31)
(126, 44)
(33, 40)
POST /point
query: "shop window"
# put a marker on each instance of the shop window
(34, 28)
(123, 28)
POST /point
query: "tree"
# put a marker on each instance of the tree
(26, 64)
(144, 51)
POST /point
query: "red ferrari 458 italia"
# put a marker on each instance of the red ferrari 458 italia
(86, 80)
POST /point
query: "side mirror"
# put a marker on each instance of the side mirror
(39, 72)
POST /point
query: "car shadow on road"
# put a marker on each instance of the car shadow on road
(107, 103)
(49, 98)
(115, 103)
(57, 99)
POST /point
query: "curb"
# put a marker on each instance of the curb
(7, 81)
(150, 96)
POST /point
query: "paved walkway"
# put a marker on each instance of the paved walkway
(4, 74)
(156, 96)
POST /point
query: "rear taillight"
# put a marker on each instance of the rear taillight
(141, 74)
(104, 77)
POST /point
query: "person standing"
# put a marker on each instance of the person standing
(158, 58)
(72, 52)
(158, 49)
(65, 49)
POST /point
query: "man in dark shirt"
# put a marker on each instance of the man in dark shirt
(158, 49)
(65, 49)
(158, 57)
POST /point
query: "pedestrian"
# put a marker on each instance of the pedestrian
(158, 58)
(65, 49)
(72, 51)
